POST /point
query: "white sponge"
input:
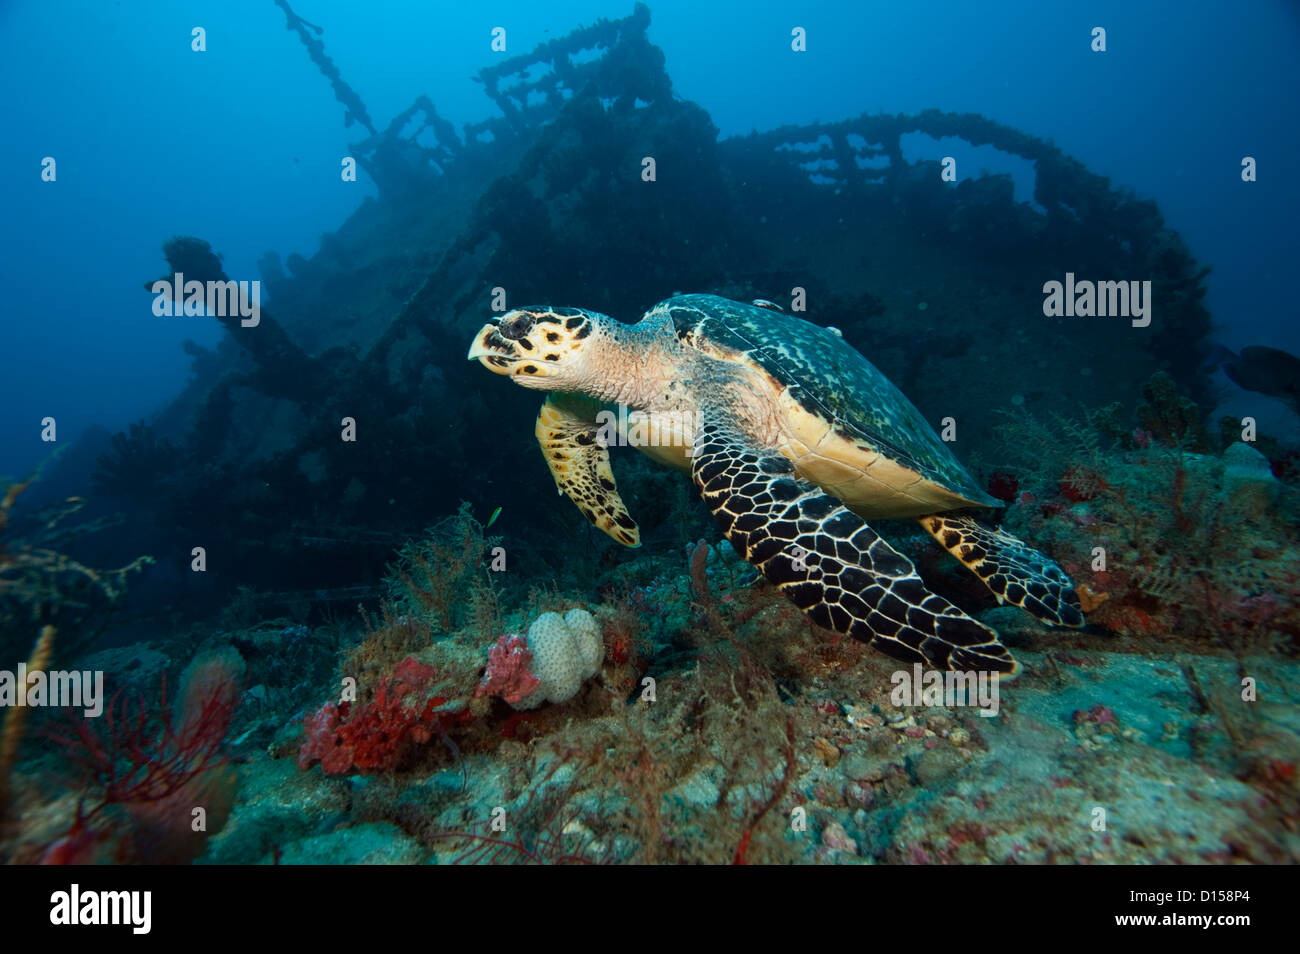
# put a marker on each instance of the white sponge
(567, 650)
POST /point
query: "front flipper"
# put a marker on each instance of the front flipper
(1012, 570)
(570, 439)
(830, 563)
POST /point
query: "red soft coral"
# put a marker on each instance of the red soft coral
(413, 674)
(379, 735)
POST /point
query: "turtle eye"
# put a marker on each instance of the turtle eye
(517, 325)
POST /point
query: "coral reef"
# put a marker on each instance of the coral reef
(378, 735)
(508, 672)
(1167, 545)
(557, 656)
(693, 715)
(440, 576)
(154, 782)
(726, 729)
(773, 745)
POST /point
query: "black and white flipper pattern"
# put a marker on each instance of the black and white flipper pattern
(1013, 571)
(829, 562)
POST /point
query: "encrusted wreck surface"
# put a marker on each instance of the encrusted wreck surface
(940, 284)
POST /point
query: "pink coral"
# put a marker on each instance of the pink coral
(321, 742)
(415, 674)
(507, 672)
(1099, 714)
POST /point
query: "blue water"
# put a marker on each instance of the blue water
(241, 143)
(331, 562)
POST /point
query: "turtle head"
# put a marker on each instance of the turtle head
(544, 348)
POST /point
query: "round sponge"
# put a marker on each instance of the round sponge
(567, 650)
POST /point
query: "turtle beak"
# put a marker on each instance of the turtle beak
(494, 352)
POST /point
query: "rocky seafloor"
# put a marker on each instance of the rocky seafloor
(719, 726)
(1105, 731)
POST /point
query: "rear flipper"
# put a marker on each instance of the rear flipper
(1013, 571)
(830, 563)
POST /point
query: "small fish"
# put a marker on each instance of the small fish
(764, 303)
(493, 519)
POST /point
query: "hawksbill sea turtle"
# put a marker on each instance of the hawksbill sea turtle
(795, 441)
